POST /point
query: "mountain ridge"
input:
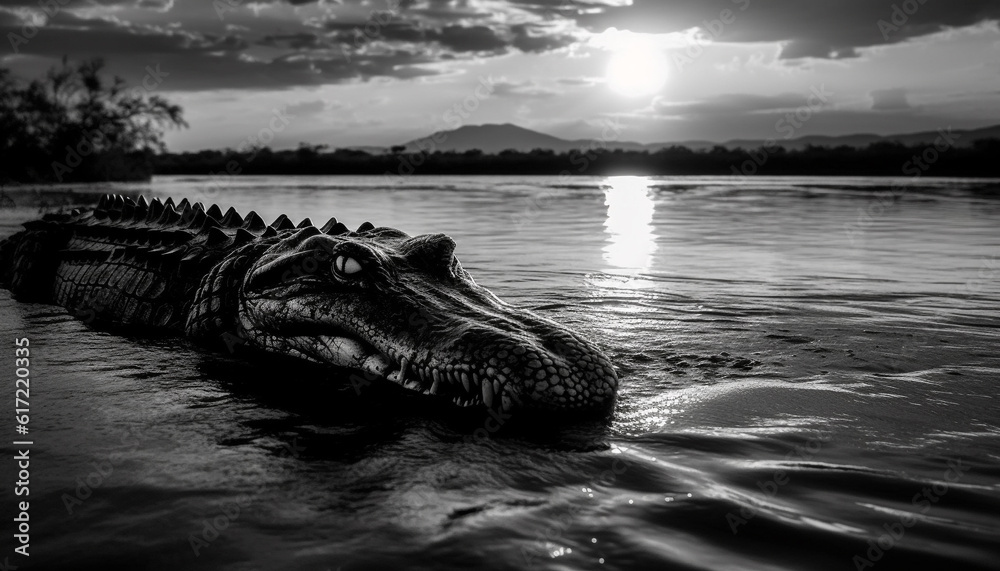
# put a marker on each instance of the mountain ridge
(492, 138)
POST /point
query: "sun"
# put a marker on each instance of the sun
(637, 70)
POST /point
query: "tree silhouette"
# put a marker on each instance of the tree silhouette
(73, 125)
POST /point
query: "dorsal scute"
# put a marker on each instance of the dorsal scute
(169, 216)
(196, 218)
(232, 219)
(208, 224)
(243, 237)
(155, 210)
(326, 228)
(216, 235)
(282, 223)
(215, 212)
(254, 223)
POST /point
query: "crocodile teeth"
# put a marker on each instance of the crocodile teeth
(488, 393)
(465, 382)
(505, 402)
(404, 368)
(436, 376)
(434, 387)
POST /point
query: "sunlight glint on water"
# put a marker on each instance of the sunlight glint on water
(630, 223)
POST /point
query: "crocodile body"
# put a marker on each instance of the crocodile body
(376, 301)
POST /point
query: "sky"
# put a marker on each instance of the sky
(383, 72)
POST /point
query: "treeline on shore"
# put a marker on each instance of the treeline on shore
(879, 159)
(75, 125)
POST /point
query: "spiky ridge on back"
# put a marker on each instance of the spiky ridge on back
(132, 262)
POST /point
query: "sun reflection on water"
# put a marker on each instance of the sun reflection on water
(631, 240)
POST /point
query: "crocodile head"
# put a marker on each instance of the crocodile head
(398, 308)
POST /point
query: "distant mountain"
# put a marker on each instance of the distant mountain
(493, 139)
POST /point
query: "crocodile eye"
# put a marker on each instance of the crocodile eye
(346, 266)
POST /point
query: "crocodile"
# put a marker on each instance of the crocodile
(376, 302)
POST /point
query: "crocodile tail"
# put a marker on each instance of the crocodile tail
(7, 249)
(28, 259)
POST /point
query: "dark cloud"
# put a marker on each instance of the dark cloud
(360, 33)
(355, 41)
(58, 5)
(68, 34)
(534, 38)
(300, 41)
(201, 61)
(809, 28)
(469, 39)
(454, 38)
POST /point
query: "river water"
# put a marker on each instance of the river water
(809, 374)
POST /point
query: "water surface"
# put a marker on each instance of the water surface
(809, 381)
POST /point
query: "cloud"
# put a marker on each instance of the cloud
(524, 89)
(57, 5)
(890, 100)
(732, 104)
(581, 81)
(204, 61)
(272, 44)
(311, 107)
(454, 38)
(268, 44)
(299, 41)
(806, 28)
(535, 38)
(99, 36)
